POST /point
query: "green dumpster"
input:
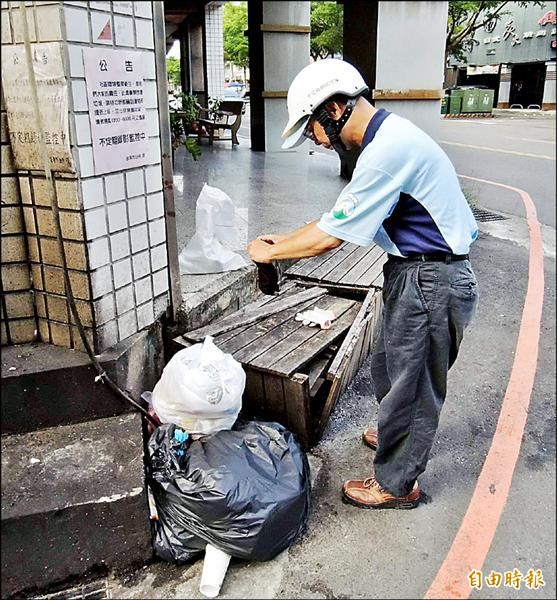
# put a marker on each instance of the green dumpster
(445, 104)
(455, 102)
(485, 104)
(470, 100)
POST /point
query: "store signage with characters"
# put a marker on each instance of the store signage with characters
(549, 17)
(52, 91)
(115, 93)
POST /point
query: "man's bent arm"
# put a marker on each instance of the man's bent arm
(306, 241)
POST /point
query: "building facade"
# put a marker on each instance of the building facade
(515, 56)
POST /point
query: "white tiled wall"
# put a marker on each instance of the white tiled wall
(124, 211)
(120, 215)
(214, 50)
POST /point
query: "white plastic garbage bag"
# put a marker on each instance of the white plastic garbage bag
(200, 389)
(207, 251)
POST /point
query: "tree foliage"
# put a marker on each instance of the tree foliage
(235, 22)
(326, 29)
(465, 18)
(173, 71)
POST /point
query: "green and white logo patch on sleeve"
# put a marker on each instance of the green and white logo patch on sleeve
(345, 207)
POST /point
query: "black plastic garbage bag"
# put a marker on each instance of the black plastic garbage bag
(246, 491)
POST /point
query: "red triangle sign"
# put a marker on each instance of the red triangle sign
(106, 33)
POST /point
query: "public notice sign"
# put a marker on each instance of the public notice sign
(114, 82)
(52, 90)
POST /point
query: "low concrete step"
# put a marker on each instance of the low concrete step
(73, 503)
(207, 297)
(46, 386)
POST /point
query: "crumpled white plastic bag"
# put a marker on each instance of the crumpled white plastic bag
(215, 227)
(200, 389)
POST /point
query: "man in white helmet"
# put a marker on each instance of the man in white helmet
(405, 197)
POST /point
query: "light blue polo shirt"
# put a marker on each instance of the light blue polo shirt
(404, 194)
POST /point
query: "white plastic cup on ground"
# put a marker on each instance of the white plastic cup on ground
(214, 570)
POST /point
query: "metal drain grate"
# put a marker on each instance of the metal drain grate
(94, 590)
(486, 215)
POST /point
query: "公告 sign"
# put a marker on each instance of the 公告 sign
(115, 92)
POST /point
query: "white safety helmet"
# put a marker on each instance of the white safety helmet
(313, 85)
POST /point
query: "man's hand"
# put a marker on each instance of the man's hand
(272, 238)
(259, 250)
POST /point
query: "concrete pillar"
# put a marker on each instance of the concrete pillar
(359, 44)
(286, 35)
(504, 86)
(257, 102)
(113, 221)
(197, 60)
(548, 102)
(410, 61)
(214, 50)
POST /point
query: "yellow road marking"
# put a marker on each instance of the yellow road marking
(497, 150)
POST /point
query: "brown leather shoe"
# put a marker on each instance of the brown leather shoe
(369, 437)
(368, 493)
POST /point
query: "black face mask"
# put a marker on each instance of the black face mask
(333, 128)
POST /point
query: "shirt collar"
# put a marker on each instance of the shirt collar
(373, 126)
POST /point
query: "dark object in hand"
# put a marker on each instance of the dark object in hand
(267, 278)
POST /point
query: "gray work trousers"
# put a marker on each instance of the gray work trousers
(426, 307)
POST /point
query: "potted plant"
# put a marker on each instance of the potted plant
(184, 113)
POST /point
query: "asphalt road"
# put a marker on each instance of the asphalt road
(520, 153)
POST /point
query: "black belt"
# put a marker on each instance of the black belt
(437, 257)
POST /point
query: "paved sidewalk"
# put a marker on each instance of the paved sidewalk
(523, 113)
(347, 552)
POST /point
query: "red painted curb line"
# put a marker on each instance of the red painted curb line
(474, 538)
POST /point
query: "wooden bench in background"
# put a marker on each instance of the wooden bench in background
(227, 117)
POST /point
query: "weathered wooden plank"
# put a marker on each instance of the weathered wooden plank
(305, 267)
(318, 368)
(322, 271)
(341, 380)
(357, 355)
(253, 399)
(245, 317)
(378, 282)
(265, 351)
(259, 337)
(262, 301)
(304, 353)
(316, 270)
(339, 272)
(337, 388)
(355, 290)
(357, 273)
(274, 398)
(371, 322)
(265, 354)
(364, 310)
(366, 338)
(287, 289)
(296, 401)
(377, 314)
(298, 267)
(375, 272)
(366, 345)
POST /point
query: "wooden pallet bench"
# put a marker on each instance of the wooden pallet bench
(295, 373)
(349, 267)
